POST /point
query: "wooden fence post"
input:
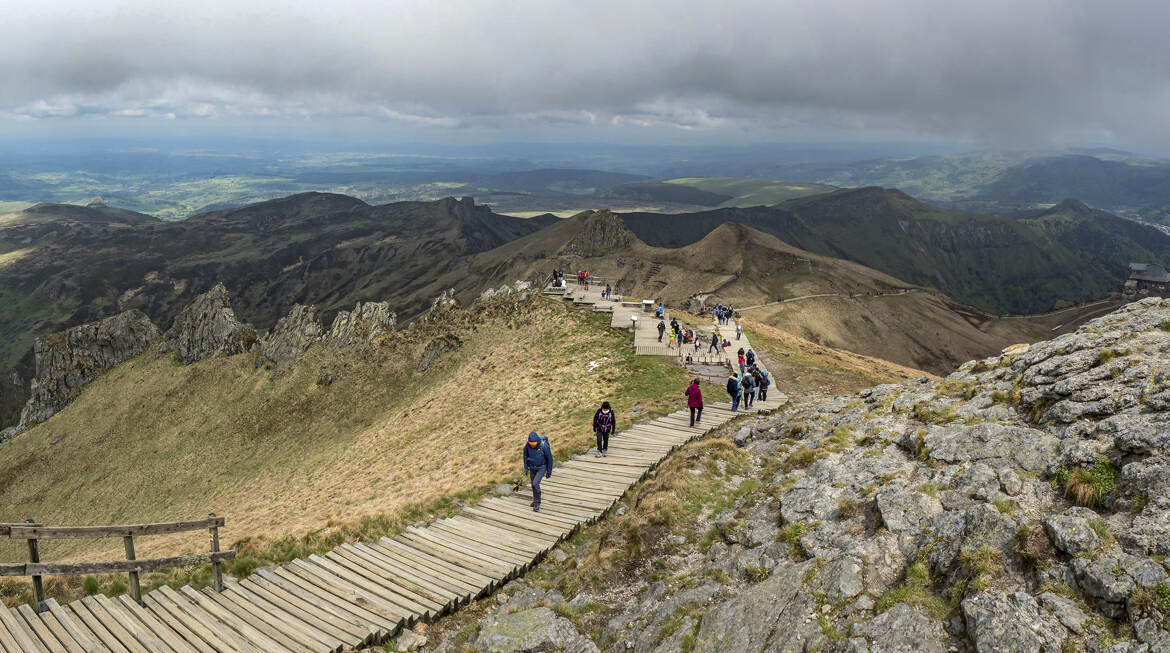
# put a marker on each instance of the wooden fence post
(135, 590)
(216, 566)
(34, 556)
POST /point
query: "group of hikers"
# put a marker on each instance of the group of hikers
(750, 384)
(744, 388)
(583, 279)
(723, 314)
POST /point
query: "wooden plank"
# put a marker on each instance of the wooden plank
(247, 625)
(122, 566)
(568, 510)
(170, 612)
(479, 584)
(349, 635)
(343, 607)
(455, 577)
(537, 544)
(526, 514)
(404, 609)
(497, 574)
(14, 636)
(45, 638)
(112, 624)
(520, 507)
(168, 632)
(407, 584)
(339, 624)
(478, 543)
(76, 630)
(414, 605)
(278, 622)
(433, 584)
(65, 641)
(27, 532)
(94, 625)
(512, 521)
(209, 621)
(502, 568)
(128, 623)
(387, 619)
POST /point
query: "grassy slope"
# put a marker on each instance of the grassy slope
(752, 192)
(285, 454)
(920, 330)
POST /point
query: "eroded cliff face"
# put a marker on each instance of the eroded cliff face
(1020, 504)
(208, 327)
(66, 361)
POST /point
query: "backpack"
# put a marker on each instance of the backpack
(605, 421)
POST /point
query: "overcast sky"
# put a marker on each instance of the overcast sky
(993, 72)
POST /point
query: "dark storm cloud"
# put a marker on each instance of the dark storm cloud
(997, 70)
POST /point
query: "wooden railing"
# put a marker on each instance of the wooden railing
(34, 532)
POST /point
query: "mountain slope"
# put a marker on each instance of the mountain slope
(313, 248)
(994, 263)
(1112, 241)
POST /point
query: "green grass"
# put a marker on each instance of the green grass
(916, 590)
(1087, 486)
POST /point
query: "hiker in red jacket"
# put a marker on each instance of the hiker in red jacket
(695, 402)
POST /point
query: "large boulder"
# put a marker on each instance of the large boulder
(292, 336)
(1011, 623)
(531, 631)
(366, 321)
(902, 628)
(68, 360)
(208, 327)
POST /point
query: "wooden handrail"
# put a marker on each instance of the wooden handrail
(34, 532)
(39, 532)
(114, 566)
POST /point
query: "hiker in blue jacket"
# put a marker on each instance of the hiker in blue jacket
(538, 464)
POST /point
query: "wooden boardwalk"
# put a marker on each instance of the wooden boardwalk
(363, 593)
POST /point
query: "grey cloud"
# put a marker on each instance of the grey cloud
(995, 70)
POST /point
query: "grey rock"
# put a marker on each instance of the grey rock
(366, 321)
(902, 628)
(503, 490)
(840, 579)
(68, 360)
(1070, 531)
(410, 641)
(1104, 580)
(292, 335)
(1029, 449)
(772, 614)
(1010, 481)
(904, 511)
(1067, 612)
(534, 630)
(208, 327)
(1003, 623)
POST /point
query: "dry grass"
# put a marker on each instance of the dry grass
(288, 454)
(8, 258)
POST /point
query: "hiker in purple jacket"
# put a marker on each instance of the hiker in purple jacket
(604, 425)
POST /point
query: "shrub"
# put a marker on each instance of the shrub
(1162, 591)
(792, 532)
(91, 585)
(1033, 546)
(1103, 533)
(1139, 503)
(1087, 486)
(756, 573)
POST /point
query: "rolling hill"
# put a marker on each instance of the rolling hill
(714, 191)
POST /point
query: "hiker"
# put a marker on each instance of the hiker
(661, 329)
(733, 390)
(751, 358)
(742, 362)
(538, 464)
(673, 335)
(660, 312)
(608, 292)
(749, 390)
(604, 425)
(695, 401)
(738, 331)
(714, 348)
(674, 324)
(765, 381)
(696, 341)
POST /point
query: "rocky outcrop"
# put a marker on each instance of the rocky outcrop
(68, 360)
(602, 234)
(292, 336)
(208, 327)
(1020, 504)
(366, 321)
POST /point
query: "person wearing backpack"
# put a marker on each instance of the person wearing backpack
(742, 362)
(661, 329)
(751, 358)
(733, 390)
(604, 425)
(763, 382)
(714, 348)
(538, 464)
(749, 389)
(695, 401)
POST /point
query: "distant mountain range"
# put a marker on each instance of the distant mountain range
(62, 265)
